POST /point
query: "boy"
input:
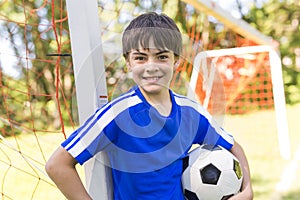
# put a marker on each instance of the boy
(147, 131)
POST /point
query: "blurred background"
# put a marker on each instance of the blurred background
(38, 95)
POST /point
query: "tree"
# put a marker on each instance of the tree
(33, 29)
(280, 20)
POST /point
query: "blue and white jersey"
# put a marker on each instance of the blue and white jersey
(145, 149)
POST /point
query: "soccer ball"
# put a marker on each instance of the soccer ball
(211, 173)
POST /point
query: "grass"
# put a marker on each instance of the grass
(257, 133)
(22, 176)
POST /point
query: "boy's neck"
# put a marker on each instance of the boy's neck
(162, 102)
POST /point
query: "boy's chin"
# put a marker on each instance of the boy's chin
(153, 89)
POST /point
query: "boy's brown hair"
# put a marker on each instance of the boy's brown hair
(159, 27)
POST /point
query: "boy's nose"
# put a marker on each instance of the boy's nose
(151, 66)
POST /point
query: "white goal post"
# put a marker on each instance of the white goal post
(90, 82)
(277, 83)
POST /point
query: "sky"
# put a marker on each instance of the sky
(231, 5)
(7, 58)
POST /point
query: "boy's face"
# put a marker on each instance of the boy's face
(152, 69)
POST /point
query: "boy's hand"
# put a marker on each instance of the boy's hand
(244, 195)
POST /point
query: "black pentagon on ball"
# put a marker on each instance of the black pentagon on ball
(237, 169)
(189, 195)
(210, 174)
(185, 163)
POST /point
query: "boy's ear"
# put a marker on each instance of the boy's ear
(128, 66)
(176, 63)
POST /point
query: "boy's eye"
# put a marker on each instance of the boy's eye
(163, 57)
(139, 58)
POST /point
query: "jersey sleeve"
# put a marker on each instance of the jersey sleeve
(210, 132)
(206, 129)
(88, 139)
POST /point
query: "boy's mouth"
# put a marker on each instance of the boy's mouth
(152, 78)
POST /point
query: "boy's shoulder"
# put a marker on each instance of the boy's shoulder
(186, 102)
(183, 100)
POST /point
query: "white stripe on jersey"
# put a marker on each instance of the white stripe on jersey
(88, 123)
(183, 101)
(101, 123)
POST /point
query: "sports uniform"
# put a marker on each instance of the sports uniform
(145, 149)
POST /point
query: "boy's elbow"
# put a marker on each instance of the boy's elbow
(59, 160)
(50, 167)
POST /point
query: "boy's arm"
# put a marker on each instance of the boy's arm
(246, 193)
(61, 169)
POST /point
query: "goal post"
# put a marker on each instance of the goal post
(90, 82)
(200, 64)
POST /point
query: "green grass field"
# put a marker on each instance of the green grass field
(257, 133)
(22, 176)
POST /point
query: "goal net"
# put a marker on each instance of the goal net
(39, 106)
(36, 87)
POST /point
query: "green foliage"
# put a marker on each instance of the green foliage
(280, 20)
(33, 29)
